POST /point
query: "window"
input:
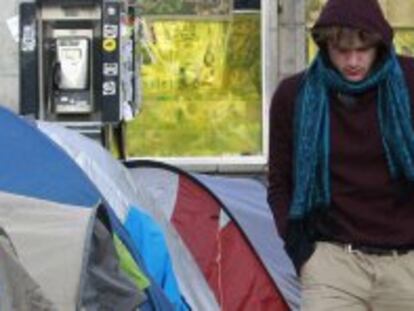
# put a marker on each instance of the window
(201, 80)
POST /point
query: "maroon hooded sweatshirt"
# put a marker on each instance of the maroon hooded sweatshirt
(367, 207)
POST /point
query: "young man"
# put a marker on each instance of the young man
(341, 165)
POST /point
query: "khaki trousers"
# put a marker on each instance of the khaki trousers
(336, 279)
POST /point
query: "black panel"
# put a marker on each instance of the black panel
(29, 89)
(247, 4)
(69, 2)
(110, 57)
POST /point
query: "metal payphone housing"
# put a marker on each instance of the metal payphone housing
(71, 59)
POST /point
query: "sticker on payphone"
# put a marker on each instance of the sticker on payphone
(110, 69)
(109, 88)
(28, 38)
(110, 31)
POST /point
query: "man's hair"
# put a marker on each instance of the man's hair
(345, 37)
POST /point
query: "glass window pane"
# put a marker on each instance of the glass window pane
(201, 89)
(404, 42)
(312, 48)
(399, 12)
(313, 8)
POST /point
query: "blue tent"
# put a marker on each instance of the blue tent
(33, 166)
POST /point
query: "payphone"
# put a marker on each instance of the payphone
(74, 68)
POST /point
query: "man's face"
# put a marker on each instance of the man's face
(354, 63)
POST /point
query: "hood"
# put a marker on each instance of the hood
(361, 14)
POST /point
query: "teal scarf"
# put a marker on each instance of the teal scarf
(312, 129)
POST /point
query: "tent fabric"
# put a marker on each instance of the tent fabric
(109, 176)
(71, 277)
(157, 298)
(107, 287)
(38, 229)
(246, 201)
(197, 214)
(129, 265)
(18, 290)
(32, 165)
(117, 188)
(160, 189)
(150, 241)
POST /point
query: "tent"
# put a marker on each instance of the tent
(210, 223)
(49, 240)
(228, 228)
(65, 234)
(116, 186)
(18, 289)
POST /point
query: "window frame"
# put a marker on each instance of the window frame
(240, 163)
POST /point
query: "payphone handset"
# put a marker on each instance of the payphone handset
(73, 60)
(71, 75)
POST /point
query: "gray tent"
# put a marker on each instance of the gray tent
(60, 252)
(18, 290)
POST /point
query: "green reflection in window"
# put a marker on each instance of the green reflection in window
(201, 89)
(404, 42)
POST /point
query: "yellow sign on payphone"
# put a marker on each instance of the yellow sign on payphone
(109, 45)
